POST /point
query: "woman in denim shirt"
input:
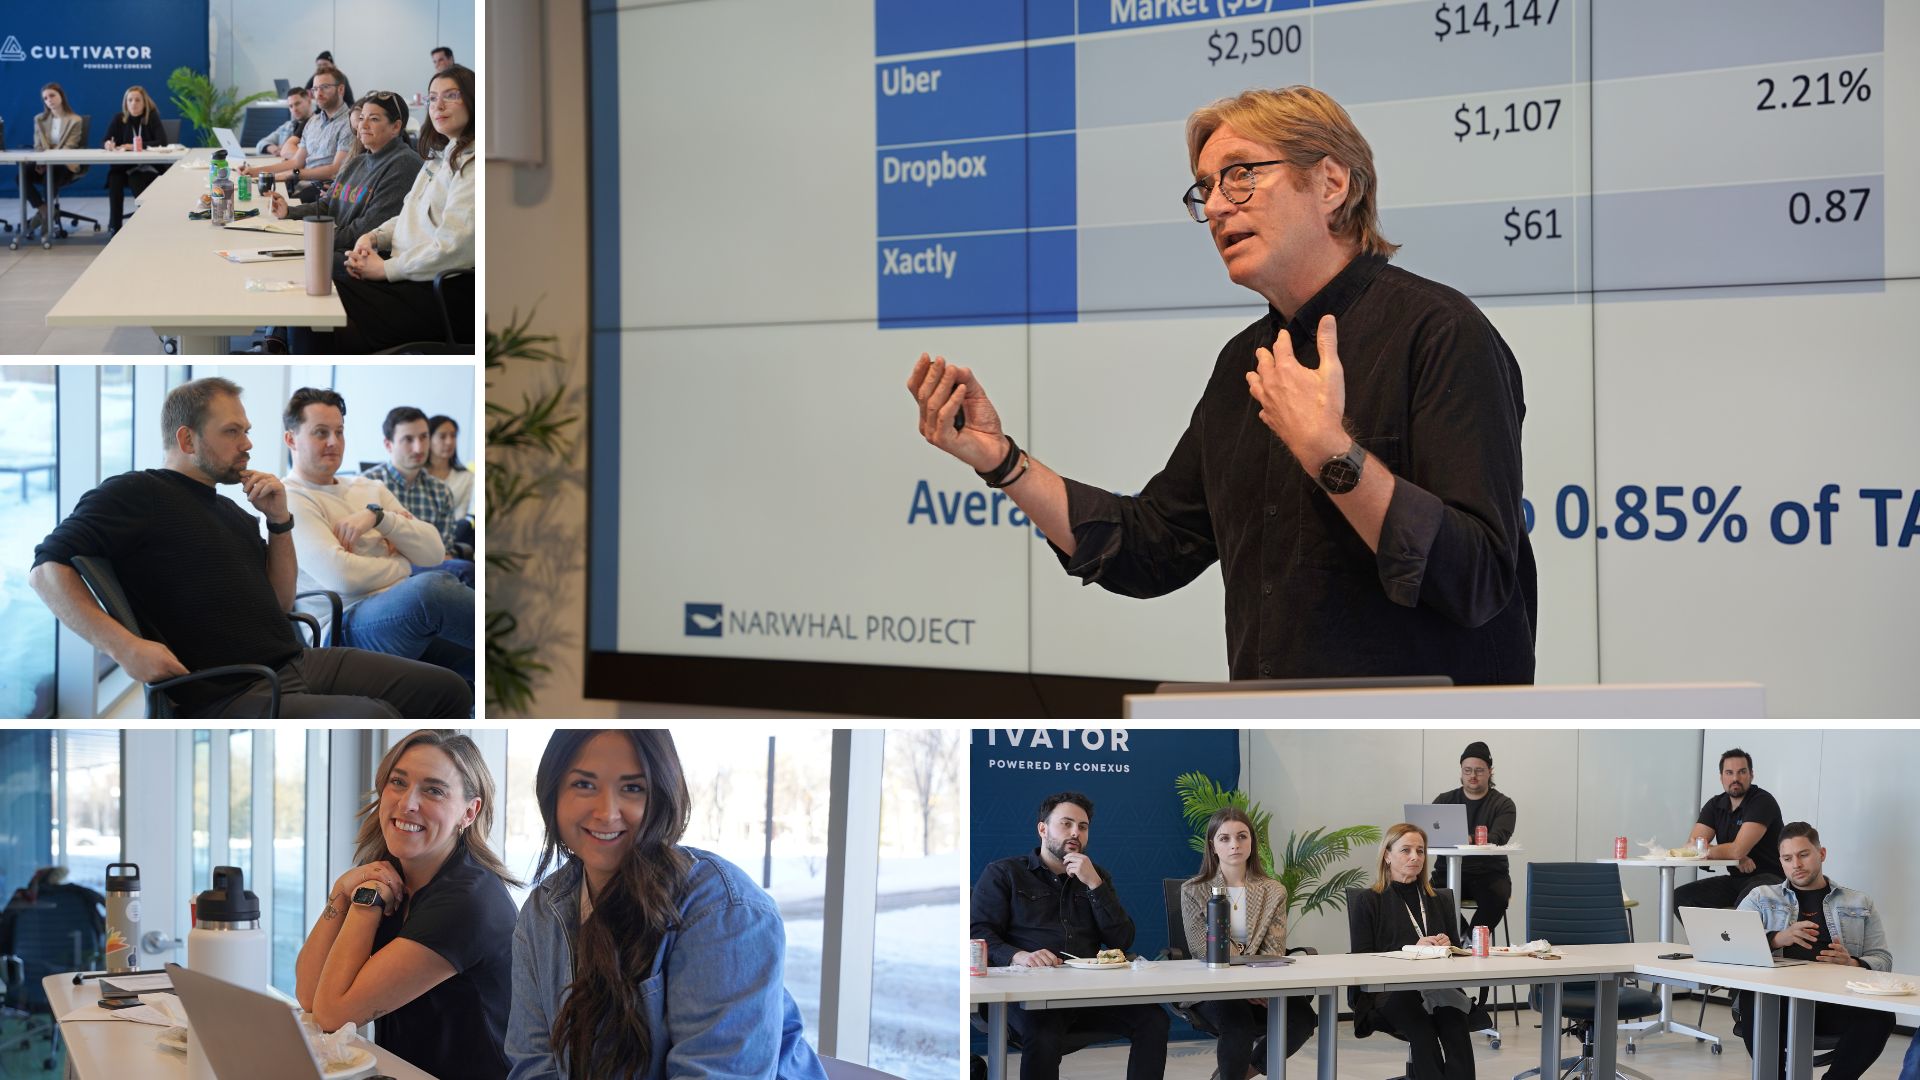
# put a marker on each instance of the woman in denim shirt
(639, 959)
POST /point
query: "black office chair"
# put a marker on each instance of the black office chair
(99, 575)
(1477, 1018)
(86, 123)
(335, 633)
(5, 223)
(172, 130)
(453, 291)
(1579, 904)
(61, 930)
(1076, 1041)
(1177, 950)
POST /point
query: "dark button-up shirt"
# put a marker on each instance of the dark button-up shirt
(1434, 394)
(1019, 906)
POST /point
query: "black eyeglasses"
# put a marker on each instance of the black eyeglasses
(1236, 182)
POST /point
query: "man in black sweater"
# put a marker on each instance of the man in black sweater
(1487, 881)
(1030, 909)
(209, 592)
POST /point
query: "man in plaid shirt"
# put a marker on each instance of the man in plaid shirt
(424, 495)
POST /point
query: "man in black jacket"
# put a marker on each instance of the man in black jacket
(1030, 909)
(1486, 880)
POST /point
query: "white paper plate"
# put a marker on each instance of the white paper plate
(360, 1062)
(1881, 989)
(1095, 965)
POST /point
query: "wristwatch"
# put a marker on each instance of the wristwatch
(1341, 473)
(283, 527)
(379, 513)
(368, 896)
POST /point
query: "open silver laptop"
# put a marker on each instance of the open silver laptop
(231, 144)
(1446, 823)
(245, 1034)
(1736, 936)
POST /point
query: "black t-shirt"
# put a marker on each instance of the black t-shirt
(194, 567)
(458, 1028)
(1757, 807)
(1811, 907)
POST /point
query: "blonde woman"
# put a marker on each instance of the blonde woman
(1402, 909)
(58, 128)
(419, 934)
(1258, 926)
(137, 117)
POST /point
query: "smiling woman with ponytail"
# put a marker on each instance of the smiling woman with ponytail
(640, 959)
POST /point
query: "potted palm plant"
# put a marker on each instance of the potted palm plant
(206, 106)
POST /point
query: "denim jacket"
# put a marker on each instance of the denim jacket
(714, 1001)
(1851, 919)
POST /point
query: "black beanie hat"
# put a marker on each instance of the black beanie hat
(1479, 750)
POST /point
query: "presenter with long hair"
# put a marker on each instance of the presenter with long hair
(638, 958)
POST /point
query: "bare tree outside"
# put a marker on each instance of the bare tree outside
(933, 760)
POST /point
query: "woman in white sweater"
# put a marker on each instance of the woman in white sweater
(389, 298)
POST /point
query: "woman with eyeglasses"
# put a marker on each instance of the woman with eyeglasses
(418, 935)
(638, 958)
(1402, 909)
(57, 128)
(389, 297)
(137, 117)
(374, 182)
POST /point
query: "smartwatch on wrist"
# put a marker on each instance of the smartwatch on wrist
(368, 896)
(284, 527)
(379, 513)
(1341, 473)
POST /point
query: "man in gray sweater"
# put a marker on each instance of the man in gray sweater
(372, 185)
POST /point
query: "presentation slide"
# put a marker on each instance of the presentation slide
(1692, 220)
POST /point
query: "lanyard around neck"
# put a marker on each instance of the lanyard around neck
(1420, 926)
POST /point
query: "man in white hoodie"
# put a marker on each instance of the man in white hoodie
(353, 537)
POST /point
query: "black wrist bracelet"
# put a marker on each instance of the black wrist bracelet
(997, 477)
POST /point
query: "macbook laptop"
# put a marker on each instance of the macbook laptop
(245, 1034)
(231, 144)
(1446, 823)
(281, 86)
(1722, 936)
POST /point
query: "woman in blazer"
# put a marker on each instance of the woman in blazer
(58, 128)
(1258, 926)
(1402, 909)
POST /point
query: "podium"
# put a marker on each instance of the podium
(1686, 701)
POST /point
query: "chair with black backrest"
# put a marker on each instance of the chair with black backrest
(453, 292)
(99, 575)
(1580, 904)
(1477, 1016)
(1177, 950)
(86, 125)
(60, 931)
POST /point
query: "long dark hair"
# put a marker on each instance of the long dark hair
(1210, 861)
(601, 1031)
(435, 424)
(430, 137)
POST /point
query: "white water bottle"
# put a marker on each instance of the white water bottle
(226, 941)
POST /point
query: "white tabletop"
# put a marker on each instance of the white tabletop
(1663, 861)
(161, 270)
(1477, 849)
(115, 1049)
(93, 156)
(1814, 982)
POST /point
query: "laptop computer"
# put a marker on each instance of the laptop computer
(245, 1034)
(1730, 936)
(1446, 823)
(281, 86)
(231, 144)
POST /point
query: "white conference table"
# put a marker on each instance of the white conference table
(1456, 863)
(1667, 868)
(161, 271)
(102, 1048)
(1803, 987)
(1322, 977)
(24, 158)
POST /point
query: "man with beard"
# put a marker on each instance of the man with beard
(209, 592)
(425, 495)
(1033, 909)
(1487, 881)
(1812, 917)
(1743, 823)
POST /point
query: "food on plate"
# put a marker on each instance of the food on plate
(1110, 956)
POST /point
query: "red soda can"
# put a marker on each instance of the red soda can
(1619, 847)
(977, 956)
(1480, 835)
(140, 143)
(1482, 941)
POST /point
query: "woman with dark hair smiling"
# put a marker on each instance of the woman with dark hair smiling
(416, 934)
(639, 959)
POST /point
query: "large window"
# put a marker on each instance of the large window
(29, 506)
(289, 851)
(916, 973)
(60, 794)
